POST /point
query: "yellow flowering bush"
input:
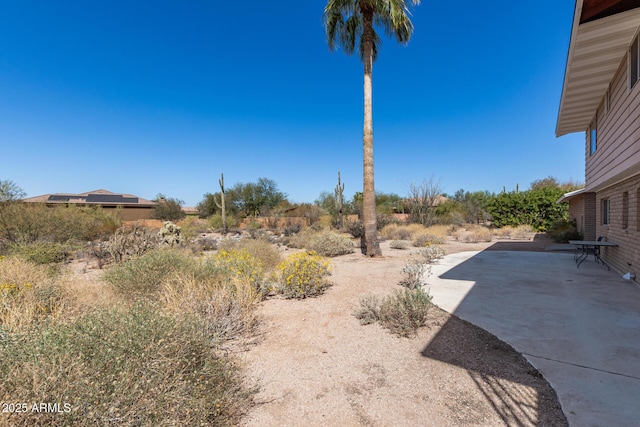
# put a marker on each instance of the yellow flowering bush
(239, 263)
(303, 274)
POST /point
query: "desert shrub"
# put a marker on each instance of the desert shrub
(201, 244)
(29, 294)
(263, 251)
(369, 310)
(405, 311)
(192, 226)
(383, 220)
(330, 244)
(128, 242)
(41, 252)
(291, 229)
(399, 244)
(474, 234)
(414, 274)
(302, 239)
(215, 221)
(424, 238)
(225, 306)
(354, 227)
(563, 231)
(431, 253)
(31, 222)
(302, 275)
(240, 264)
(401, 231)
(142, 276)
(130, 368)
(167, 209)
(520, 232)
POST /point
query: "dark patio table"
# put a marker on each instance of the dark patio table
(591, 246)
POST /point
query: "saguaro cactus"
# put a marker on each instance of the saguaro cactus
(221, 204)
(339, 200)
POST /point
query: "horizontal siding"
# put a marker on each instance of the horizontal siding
(618, 132)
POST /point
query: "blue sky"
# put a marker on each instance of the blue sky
(151, 97)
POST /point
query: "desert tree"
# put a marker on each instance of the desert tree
(355, 22)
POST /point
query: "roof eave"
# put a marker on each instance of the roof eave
(595, 51)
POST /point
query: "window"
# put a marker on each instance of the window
(604, 211)
(593, 136)
(634, 64)
(625, 210)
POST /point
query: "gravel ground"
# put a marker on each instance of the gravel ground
(315, 365)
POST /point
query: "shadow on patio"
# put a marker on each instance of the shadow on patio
(566, 321)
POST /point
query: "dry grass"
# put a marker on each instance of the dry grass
(29, 294)
(473, 234)
(226, 307)
(401, 231)
(521, 232)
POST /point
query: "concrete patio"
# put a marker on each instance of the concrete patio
(579, 327)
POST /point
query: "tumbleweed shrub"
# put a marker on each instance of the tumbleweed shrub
(473, 234)
(400, 231)
(404, 311)
(399, 244)
(426, 238)
(302, 239)
(330, 244)
(29, 294)
(142, 276)
(225, 306)
(431, 253)
(369, 310)
(240, 264)
(125, 367)
(302, 275)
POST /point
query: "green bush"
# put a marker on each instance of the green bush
(405, 311)
(22, 223)
(331, 244)
(130, 368)
(41, 252)
(303, 275)
(215, 221)
(142, 276)
(563, 231)
(369, 310)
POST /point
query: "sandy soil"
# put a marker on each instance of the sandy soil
(315, 365)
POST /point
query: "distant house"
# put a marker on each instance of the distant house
(601, 97)
(132, 208)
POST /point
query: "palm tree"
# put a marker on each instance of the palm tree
(350, 21)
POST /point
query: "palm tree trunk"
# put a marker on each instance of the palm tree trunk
(370, 245)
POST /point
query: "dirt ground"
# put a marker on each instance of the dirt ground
(315, 365)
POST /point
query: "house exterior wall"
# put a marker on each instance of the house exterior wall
(625, 257)
(129, 213)
(590, 220)
(576, 212)
(618, 134)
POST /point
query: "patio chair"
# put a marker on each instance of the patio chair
(595, 251)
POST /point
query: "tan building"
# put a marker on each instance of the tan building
(601, 97)
(132, 208)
